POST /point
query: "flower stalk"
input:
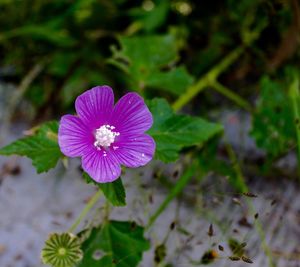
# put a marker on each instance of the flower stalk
(85, 211)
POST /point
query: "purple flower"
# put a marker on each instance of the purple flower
(106, 136)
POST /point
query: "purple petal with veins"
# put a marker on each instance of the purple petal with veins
(107, 136)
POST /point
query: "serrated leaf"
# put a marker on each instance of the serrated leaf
(173, 132)
(114, 244)
(149, 60)
(114, 192)
(42, 147)
(272, 119)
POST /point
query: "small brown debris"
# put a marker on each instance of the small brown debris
(245, 259)
(56, 223)
(248, 194)
(244, 222)
(221, 248)
(69, 214)
(210, 230)
(236, 201)
(172, 225)
(234, 258)
(151, 199)
(175, 174)
(15, 170)
(274, 201)
(18, 257)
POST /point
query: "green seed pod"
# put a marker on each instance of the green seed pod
(62, 250)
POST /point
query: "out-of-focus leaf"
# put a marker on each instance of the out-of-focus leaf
(149, 60)
(114, 244)
(174, 81)
(114, 192)
(41, 32)
(42, 147)
(152, 14)
(173, 132)
(61, 63)
(272, 127)
(81, 79)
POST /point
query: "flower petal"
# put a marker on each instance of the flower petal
(73, 136)
(95, 106)
(131, 115)
(102, 169)
(134, 151)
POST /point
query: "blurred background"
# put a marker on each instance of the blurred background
(232, 62)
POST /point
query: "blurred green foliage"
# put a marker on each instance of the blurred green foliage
(204, 56)
(273, 121)
(160, 49)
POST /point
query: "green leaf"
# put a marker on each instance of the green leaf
(174, 81)
(42, 147)
(272, 127)
(149, 60)
(173, 132)
(114, 244)
(114, 192)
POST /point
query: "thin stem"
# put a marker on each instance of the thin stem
(231, 95)
(19, 93)
(207, 79)
(180, 185)
(85, 211)
(258, 225)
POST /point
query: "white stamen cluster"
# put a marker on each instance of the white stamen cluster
(105, 136)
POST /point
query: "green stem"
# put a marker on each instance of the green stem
(238, 182)
(85, 211)
(250, 205)
(231, 95)
(207, 79)
(180, 185)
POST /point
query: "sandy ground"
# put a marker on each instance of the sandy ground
(32, 206)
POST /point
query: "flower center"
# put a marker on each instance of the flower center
(62, 251)
(105, 136)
